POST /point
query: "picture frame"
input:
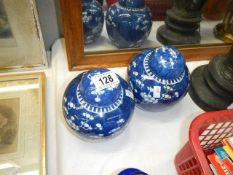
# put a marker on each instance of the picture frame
(21, 42)
(22, 124)
(71, 13)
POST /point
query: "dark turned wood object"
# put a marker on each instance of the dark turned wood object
(224, 30)
(182, 24)
(212, 85)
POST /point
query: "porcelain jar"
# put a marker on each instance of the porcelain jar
(98, 104)
(158, 76)
(93, 20)
(128, 23)
(132, 171)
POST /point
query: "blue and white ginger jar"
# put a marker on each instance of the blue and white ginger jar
(93, 20)
(98, 104)
(132, 171)
(128, 23)
(158, 76)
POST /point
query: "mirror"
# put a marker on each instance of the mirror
(200, 17)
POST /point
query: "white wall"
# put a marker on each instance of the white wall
(49, 13)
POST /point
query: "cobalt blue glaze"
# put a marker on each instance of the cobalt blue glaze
(158, 76)
(93, 20)
(94, 110)
(128, 23)
(132, 3)
(132, 171)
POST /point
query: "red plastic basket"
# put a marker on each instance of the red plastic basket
(205, 134)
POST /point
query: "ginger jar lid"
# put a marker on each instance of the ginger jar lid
(132, 171)
(99, 87)
(132, 3)
(164, 62)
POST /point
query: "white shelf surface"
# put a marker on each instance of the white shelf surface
(150, 142)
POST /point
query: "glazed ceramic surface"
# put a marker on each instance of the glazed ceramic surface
(98, 104)
(158, 76)
(128, 23)
(93, 20)
(132, 171)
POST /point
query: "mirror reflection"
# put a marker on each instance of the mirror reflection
(123, 24)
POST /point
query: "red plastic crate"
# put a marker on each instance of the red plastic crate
(205, 134)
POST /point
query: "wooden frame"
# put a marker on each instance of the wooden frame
(22, 86)
(78, 60)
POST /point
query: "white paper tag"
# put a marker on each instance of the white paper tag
(129, 93)
(105, 80)
(157, 92)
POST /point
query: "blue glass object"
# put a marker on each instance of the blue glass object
(132, 171)
(93, 20)
(98, 104)
(128, 23)
(158, 76)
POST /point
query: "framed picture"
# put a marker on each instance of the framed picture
(22, 124)
(81, 57)
(21, 43)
